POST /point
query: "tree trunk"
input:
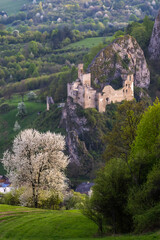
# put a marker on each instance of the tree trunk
(35, 196)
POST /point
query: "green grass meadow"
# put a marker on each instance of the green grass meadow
(12, 6)
(87, 43)
(20, 223)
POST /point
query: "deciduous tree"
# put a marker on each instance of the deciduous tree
(38, 161)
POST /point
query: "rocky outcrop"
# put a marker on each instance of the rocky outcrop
(154, 46)
(81, 162)
(113, 63)
(85, 131)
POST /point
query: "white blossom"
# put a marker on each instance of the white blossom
(21, 109)
(37, 160)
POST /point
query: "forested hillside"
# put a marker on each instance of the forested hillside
(52, 142)
(42, 57)
(41, 46)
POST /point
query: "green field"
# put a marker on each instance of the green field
(8, 119)
(88, 43)
(19, 223)
(12, 6)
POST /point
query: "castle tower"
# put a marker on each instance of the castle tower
(80, 71)
(128, 87)
(85, 78)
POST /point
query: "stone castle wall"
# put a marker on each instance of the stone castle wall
(83, 94)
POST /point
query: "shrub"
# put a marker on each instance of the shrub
(12, 198)
(50, 199)
(21, 110)
(4, 108)
(31, 96)
(74, 200)
(148, 221)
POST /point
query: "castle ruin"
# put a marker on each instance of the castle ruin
(87, 97)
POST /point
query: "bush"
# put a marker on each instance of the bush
(21, 110)
(109, 198)
(49, 200)
(23, 197)
(74, 200)
(148, 221)
(31, 96)
(4, 108)
(12, 198)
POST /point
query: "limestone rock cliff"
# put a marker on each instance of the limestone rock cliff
(154, 46)
(84, 134)
(124, 56)
(81, 162)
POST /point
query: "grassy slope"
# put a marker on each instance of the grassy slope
(88, 42)
(12, 6)
(7, 122)
(19, 223)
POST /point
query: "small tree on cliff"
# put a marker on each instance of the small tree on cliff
(38, 161)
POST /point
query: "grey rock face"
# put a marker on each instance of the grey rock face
(124, 56)
(154, 46)
(80, 160)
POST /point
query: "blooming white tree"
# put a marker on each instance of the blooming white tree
(31, 96)
(38, 161)
(21, 110)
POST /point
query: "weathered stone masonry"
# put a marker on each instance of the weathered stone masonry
(83, 94)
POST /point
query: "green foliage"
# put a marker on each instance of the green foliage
(118, 34)
(119, 140)
(145, 151)
(33, 47)
(141, 32)
(94, 51)
(144, 161)
(148, 220)
(7, 121)
(49, 120)
(31, 96)
(12, 198)
(126, 190)
(74, 200)
(49, 200)
(88, 209)
(133, 18)
(145, 196)
(22, 111)
(4, 108)
(125, 62)
(110, 195)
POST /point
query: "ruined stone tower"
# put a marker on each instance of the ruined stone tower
(83, 94)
